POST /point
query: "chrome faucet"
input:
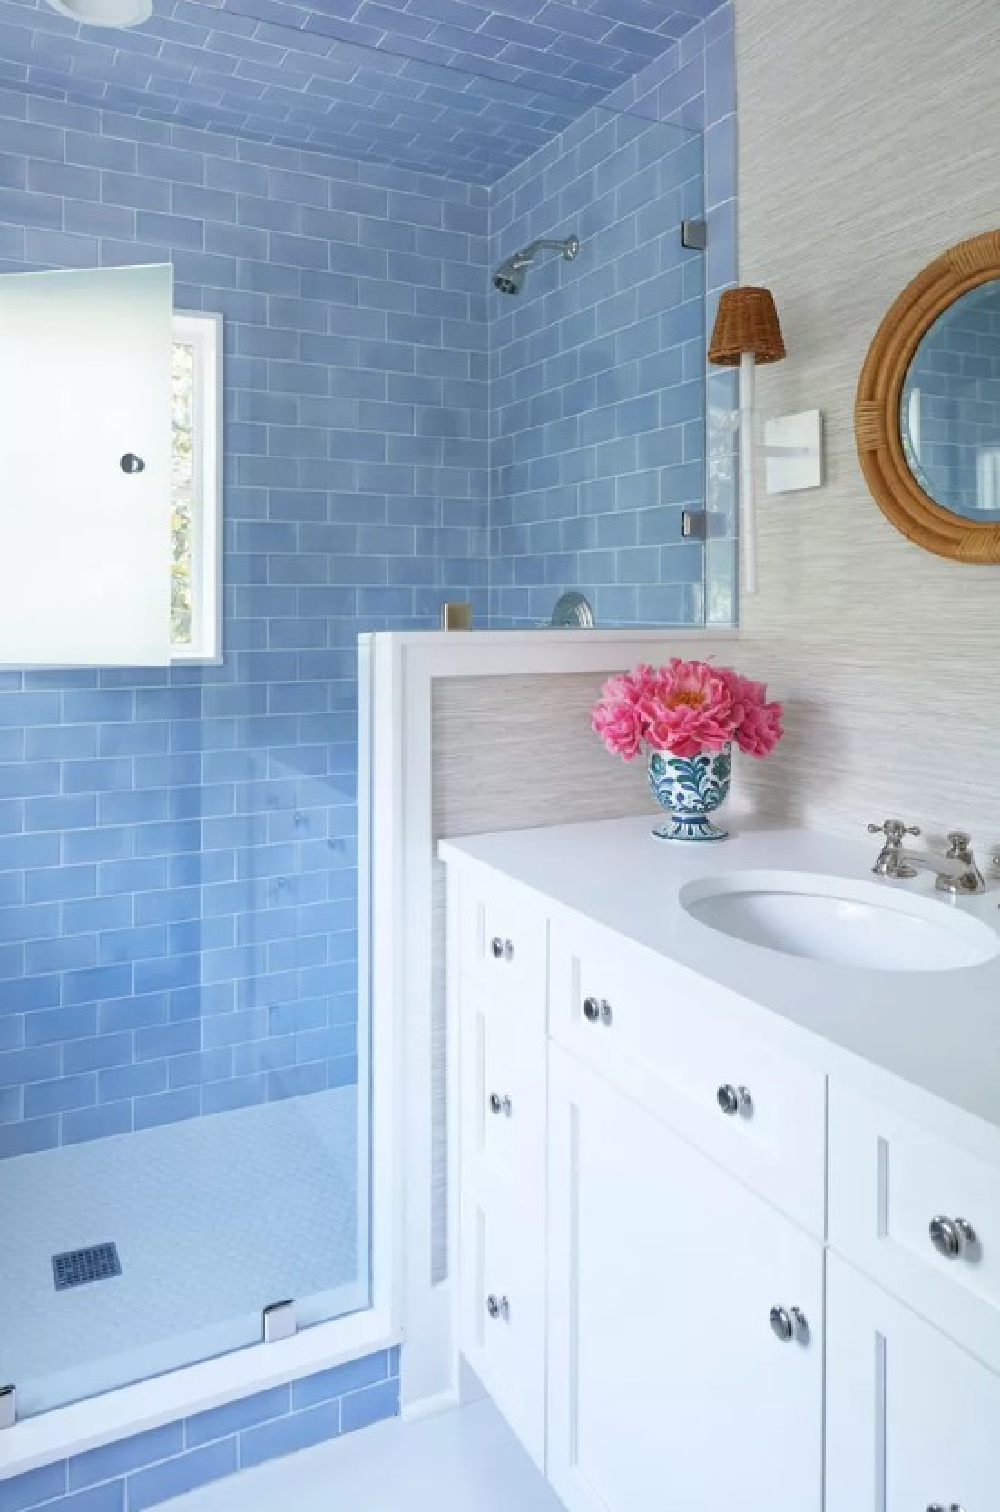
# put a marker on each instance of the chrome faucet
(956, 871)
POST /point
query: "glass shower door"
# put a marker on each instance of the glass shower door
(184, 1056)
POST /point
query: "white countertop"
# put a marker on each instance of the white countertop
(937, 1030)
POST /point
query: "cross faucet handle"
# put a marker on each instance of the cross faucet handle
(893, 830)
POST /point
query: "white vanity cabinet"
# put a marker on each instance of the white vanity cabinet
(704, 1263)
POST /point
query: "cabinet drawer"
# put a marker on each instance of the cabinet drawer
(754, 1110)
(502, 1327)
(502, 943)
(919, 1214)
(502, 1097)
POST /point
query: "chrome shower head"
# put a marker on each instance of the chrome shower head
(509, 276)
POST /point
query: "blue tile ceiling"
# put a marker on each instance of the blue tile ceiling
(465, 88)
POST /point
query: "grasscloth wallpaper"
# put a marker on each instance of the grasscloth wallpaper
(867, 138)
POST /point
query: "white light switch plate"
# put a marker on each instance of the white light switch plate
(793, 452)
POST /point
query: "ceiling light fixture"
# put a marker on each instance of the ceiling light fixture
(104, 12)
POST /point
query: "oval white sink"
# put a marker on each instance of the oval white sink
(839, 921)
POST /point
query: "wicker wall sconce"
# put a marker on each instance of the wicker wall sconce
(746, 332)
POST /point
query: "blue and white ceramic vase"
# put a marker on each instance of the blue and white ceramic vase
(690, 788)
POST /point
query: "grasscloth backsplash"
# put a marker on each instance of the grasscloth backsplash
(515, 752)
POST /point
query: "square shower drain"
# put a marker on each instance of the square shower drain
(78, 1267)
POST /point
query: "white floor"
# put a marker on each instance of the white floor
(214, 1218)
(463, 1461)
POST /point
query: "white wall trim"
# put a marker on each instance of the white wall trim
(406, 666)
(203, 331)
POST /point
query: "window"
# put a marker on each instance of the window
(196, 491)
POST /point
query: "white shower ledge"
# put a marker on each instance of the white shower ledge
(935, 1030)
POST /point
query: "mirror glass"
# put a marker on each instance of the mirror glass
(950, 409)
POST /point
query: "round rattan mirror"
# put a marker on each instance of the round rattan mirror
(927, 418)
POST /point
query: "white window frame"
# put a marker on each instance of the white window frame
(203, 332)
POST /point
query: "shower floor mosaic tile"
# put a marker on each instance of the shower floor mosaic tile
(213, 1219)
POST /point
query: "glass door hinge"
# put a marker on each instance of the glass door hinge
(703, 525)
(694, 235)
(278, 1321)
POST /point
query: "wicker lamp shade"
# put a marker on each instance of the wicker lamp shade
(747, 321)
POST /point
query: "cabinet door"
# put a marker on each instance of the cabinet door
(502, 1311)
(85, 444)
(502, 1099)
(911, 1417)
(667, 1385)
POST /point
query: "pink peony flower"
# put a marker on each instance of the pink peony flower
(616, 718)
(690, 711)
(618, 722)
(744, 692)
(758, 723)
(760, 729)
(685, 707)
(632, 687)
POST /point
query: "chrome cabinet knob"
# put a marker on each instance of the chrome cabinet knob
(733, 1100)
(498, 1307)
(950, 1235)
(781, 1324)
(500, 1105)
(598, 1011)
(503, 950)
(789, 1323)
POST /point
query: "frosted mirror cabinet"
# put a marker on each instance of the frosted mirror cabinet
(85, 462)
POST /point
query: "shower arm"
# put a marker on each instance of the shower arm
(568, 247)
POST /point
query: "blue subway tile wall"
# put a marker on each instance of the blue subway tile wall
(149, 1468)
(178, 847)
(455, 87)
(598, 417)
